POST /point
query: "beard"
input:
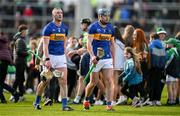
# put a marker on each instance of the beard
(58, 18)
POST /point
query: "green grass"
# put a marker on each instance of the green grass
(26, 109)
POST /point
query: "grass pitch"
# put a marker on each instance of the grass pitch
(26, 109)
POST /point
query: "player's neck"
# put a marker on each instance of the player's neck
(101, 24)
(58, 23)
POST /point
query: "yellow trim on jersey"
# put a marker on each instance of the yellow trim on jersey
(107, 37)
(61, 37)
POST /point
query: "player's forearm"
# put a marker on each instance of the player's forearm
(89, 49)
(45, 48)
(89, 46)
(81, 51)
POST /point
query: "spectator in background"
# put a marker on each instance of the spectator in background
(178, 88)
(132, 76)
(118, 66)
(172, 69)
(158, 59)
(5, 60)
(135, 22)
(33, 74)
(162, 35)
(28, 13)
(72, 75)
(140, 45)
(128, 36)
(125, 14)
(85, 59)
(20, 54)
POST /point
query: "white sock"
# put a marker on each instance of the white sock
(77, 98)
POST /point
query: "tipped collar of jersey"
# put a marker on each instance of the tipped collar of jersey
(57, 24)
(103, 26)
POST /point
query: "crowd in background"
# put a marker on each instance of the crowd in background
(123, 12)
(158, 58)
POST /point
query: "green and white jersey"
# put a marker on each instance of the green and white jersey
(84, 39)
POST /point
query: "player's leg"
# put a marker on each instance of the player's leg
(94, 78)
(108, 79)
(63, 88)
(40, 89)
(101, 91)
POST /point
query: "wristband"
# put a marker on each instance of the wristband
(47, 59)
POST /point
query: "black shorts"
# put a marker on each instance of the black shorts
(84, 64)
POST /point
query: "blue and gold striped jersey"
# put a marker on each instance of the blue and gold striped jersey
(102, 36)
(57, 36)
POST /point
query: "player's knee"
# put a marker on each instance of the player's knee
(94, 82)
(63, 81)
(81, 79)
(108, 82)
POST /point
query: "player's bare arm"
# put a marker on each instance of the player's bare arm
(45, 50)
(89, 48)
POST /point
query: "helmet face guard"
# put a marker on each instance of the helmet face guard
(103, 12)
(104, 15)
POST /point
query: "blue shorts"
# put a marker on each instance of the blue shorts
(84, 64)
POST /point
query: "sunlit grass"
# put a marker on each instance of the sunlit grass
(26, 109)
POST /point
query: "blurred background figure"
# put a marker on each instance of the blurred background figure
(140, 14)
(5, 60)
(20, 54)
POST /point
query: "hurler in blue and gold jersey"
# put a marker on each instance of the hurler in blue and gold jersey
(57, 36)
(101, 38)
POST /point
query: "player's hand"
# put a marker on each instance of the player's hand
(70, 54)
(48, 64)
(36, 67)
(94, 60)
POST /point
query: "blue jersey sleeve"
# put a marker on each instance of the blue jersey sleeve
(66, 31)
(46, 31)
(91, 29)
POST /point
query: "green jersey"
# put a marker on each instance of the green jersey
(84, 39)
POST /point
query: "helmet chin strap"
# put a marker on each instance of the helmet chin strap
(102, 22)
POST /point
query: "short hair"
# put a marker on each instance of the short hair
(86, 20)
(56, 8)
(22, 27)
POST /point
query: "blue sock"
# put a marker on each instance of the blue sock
(64, 102)
(38, 100)
(108, 103)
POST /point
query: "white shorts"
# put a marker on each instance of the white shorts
(103, 64)
(58, 61)
(170, 78)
